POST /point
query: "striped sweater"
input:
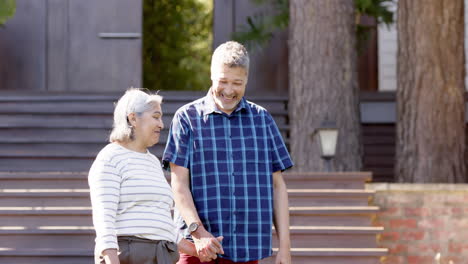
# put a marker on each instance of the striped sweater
(129, 196)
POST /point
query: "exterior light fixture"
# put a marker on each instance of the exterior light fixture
(328, 137)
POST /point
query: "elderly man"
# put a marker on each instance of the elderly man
(226, 156)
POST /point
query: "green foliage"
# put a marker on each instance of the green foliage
(177, 39)
(378, 9)
(261, 27)
(7, 10)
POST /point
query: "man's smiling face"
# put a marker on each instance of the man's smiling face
(228, 87)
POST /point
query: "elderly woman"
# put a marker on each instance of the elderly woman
(131, 198)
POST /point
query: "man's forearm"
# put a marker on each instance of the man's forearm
(182, 195)
(206, 245)
(281, 211)
(184, 203)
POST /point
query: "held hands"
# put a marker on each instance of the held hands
(206, 254)
(207, 246)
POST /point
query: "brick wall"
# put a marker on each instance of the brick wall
(422, 220)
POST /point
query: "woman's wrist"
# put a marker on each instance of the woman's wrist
(187, 247)
(109, 251)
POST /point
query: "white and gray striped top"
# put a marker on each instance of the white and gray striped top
(129, 196)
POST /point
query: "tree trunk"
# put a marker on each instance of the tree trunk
(323, 82)
(430, 97)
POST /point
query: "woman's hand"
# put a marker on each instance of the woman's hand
(111, 256)
(187, 247)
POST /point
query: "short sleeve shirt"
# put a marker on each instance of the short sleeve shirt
(231, 159)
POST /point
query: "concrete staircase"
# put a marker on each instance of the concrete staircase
(48, 142)
(331, 219)
(45, 218)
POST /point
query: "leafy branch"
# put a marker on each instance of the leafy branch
(260, 27)
(7, 10)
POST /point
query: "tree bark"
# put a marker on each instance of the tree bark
(323, 82)
(430, 96)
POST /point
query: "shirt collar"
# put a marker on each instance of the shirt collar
(210, 106)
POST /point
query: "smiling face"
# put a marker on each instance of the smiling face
(228, 87)
(148, 126)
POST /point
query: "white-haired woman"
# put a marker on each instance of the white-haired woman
(131, 198)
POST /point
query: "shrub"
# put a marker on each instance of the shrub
(177, 39)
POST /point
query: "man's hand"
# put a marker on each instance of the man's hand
(283, 257)
(207, 246)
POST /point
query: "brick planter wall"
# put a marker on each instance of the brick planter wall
(422, 220)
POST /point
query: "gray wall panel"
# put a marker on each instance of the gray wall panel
(268, 65)
(23, 48)
(57, 47)
(104, 64)
(223, 20)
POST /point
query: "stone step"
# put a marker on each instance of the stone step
(56, 135)
(35, 217)
(45, 164)
(52, 237)
(299, 256)
(80, 197)
(332, 215)
(60, 122)
(50, 150)
(329, 197)
(333, 256)
(79, 121)
(25, 174)
(324, 180)
(104, 104)
(58, 107)
(59, 150)
(44, 180)
(32, 121)
(66, 135)
(332, 237)
(45, 197)
(299, 216)
(83, 236)
(50, 180)
(24, 177)
(38, 255)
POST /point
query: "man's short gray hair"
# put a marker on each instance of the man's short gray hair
(232, 54)
(133, 101)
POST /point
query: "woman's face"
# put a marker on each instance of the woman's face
(148, 126)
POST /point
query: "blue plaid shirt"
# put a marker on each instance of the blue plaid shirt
(231, 159)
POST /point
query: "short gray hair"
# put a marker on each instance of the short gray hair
(232, 54)
(133, 101)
